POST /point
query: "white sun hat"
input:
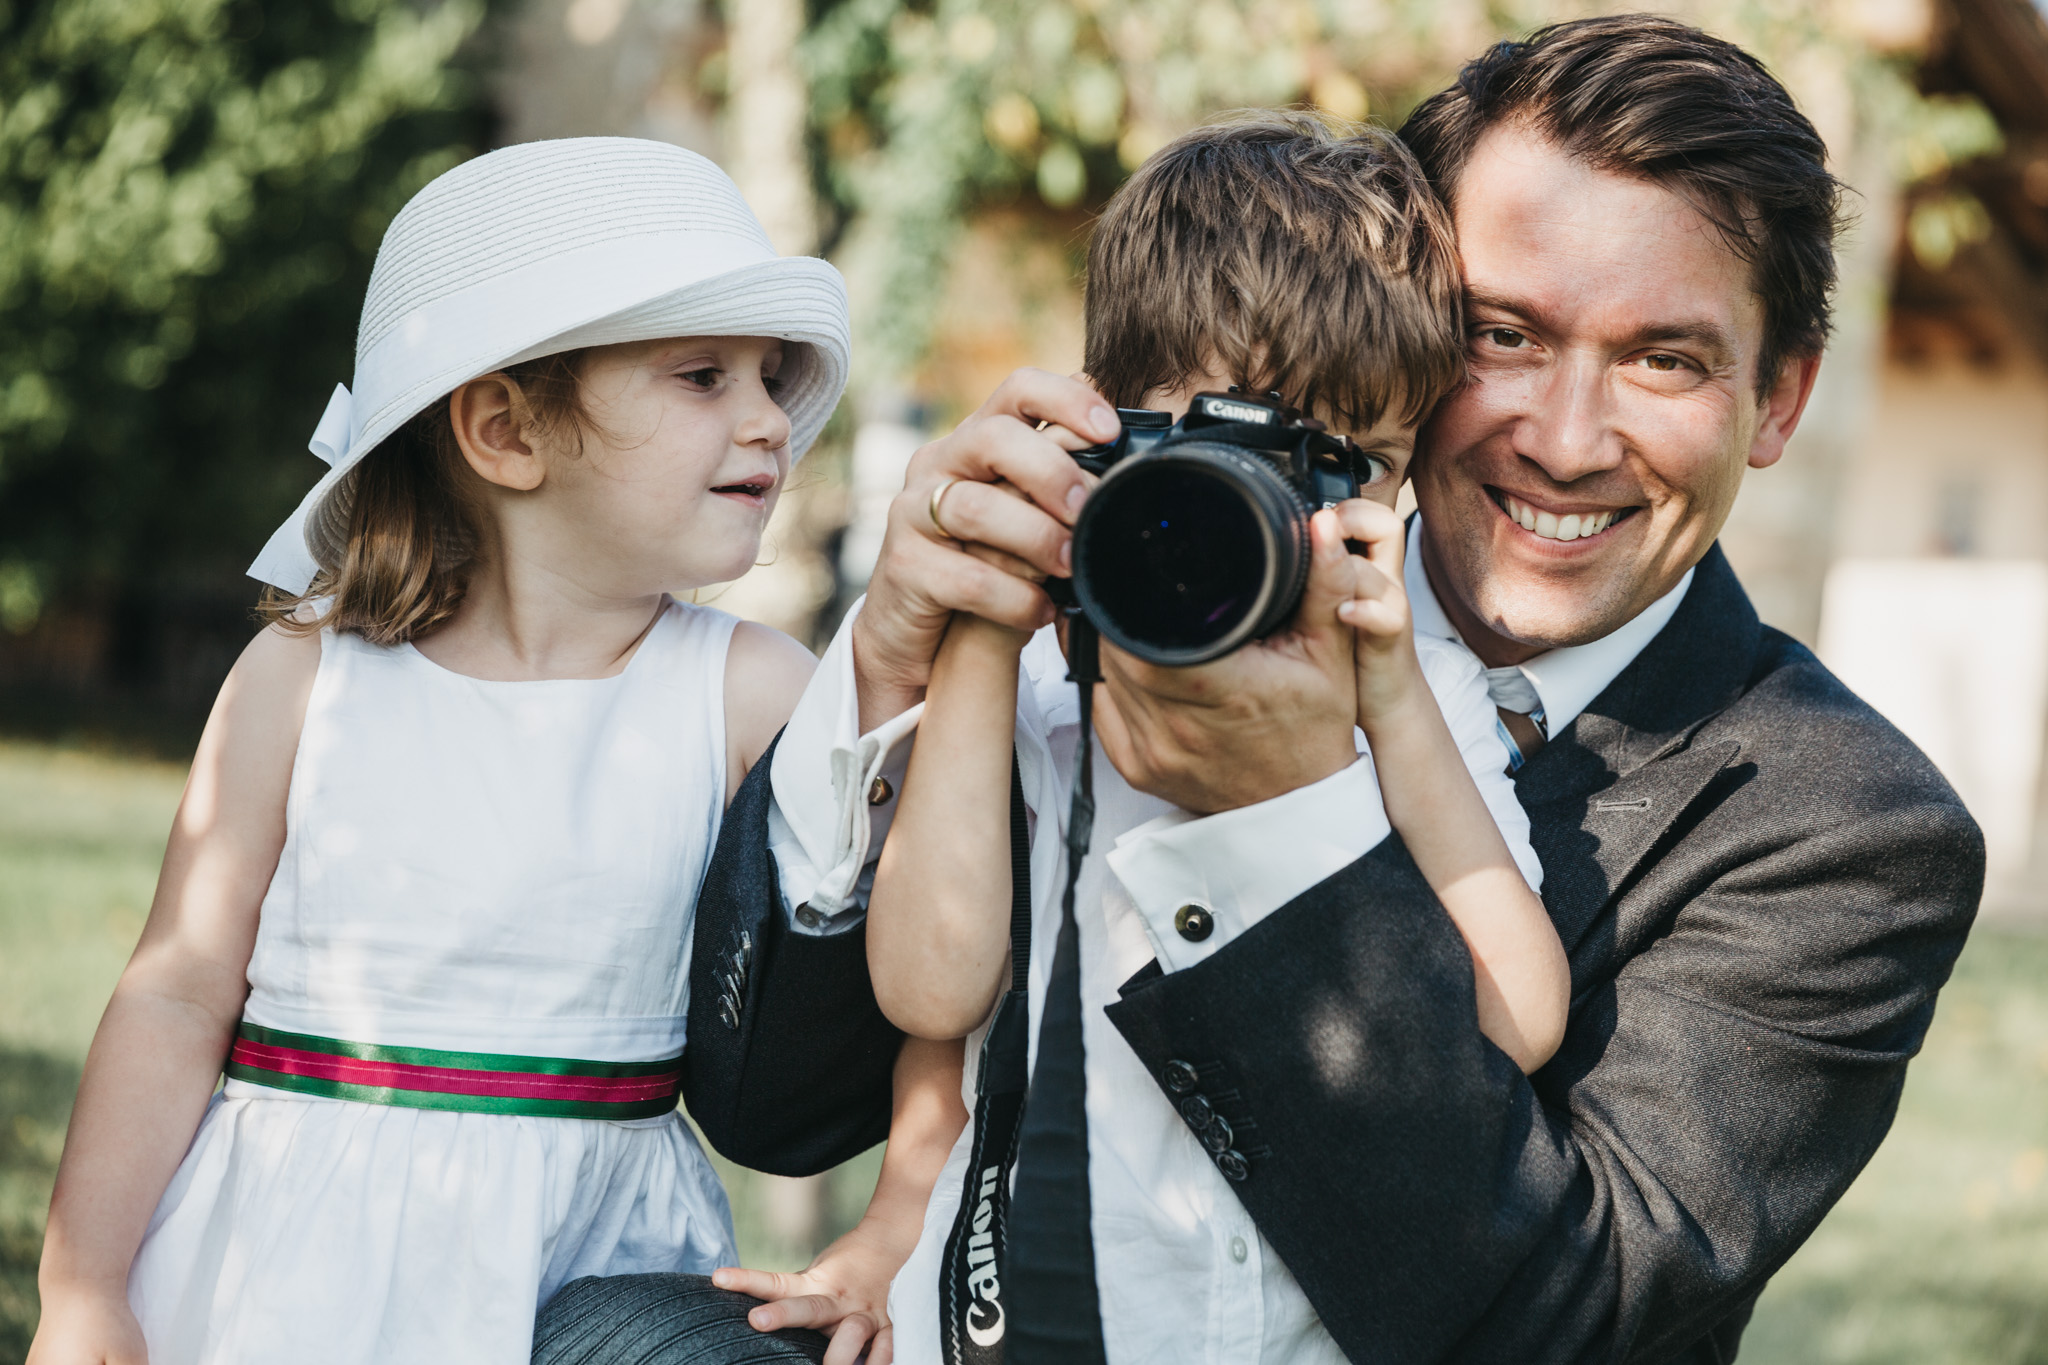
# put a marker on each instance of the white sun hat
(552, 246)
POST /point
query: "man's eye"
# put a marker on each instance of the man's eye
(1378, 470)
(1663, 364)
(1505, 337)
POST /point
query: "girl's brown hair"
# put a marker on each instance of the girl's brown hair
(397, 538)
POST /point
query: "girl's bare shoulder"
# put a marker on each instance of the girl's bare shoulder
(262, 706)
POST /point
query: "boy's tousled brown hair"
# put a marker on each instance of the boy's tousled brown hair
(1305, 257)
(395, 541)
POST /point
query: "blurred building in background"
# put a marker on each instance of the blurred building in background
(1935, 605)
(948, 154)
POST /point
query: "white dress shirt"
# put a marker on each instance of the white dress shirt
(1566, 680)
(1183, 1272)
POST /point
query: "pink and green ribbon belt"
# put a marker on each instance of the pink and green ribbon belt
(471, 1082)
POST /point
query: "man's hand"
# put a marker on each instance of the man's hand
(923, 574)
(1271, 717)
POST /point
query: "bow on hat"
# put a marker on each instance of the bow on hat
(284, 560)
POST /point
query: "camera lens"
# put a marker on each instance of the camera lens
(1183, 554)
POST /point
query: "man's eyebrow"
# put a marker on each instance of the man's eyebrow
(1499, 303)
(1710, 337)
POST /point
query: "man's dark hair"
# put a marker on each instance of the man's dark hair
(1647, 96)
(1304, 257)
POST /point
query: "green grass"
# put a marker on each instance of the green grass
(1937, 1256)
(80, 839)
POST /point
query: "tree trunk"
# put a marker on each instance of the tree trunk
(765, 120)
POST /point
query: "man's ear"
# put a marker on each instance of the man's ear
(490, 416)
(1782, 408)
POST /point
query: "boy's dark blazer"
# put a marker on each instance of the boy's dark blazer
(1760, 884)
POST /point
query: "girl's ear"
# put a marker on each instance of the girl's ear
(491, 418)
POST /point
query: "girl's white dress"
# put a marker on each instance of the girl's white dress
(500, 867)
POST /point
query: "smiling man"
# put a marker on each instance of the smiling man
(1760, 884)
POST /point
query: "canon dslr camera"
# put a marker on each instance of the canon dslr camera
(1196, 540)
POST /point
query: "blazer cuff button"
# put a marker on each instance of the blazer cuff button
(1180, 1077)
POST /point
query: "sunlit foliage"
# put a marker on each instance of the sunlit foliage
(190, 195)
(925, 109)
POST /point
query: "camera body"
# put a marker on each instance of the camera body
(1196, 541)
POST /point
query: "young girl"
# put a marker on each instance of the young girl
(430, 889)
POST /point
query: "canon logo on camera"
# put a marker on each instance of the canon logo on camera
(1226, 411)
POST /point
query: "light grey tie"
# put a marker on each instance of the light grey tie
(1520, 721)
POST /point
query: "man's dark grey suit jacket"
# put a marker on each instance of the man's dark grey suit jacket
(1760, 884)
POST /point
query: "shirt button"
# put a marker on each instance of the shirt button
(879, 791)
(1193, 922)
(1180, 1076)
(1238, 1250)
(807, 917)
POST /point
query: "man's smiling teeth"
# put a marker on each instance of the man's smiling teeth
(1549, 526)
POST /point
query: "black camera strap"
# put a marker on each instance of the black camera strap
(971, 1319)
(1054, 1292)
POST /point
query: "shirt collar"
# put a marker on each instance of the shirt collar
(1566, 679)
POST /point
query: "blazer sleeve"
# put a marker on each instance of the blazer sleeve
(1710, 1102)
(788, 1063)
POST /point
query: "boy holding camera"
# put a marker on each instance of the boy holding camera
(1268, 256)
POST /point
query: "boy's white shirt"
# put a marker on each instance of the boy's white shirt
(1243, 864)
(1200, 1283)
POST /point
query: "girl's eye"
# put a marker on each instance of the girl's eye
(774, 384)
(704, 378)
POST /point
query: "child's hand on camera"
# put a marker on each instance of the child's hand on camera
(1389, 674)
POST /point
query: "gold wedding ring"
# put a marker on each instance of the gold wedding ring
(938, 497)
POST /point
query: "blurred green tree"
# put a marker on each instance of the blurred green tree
(191, 194)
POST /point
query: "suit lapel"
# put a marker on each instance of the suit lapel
(1592, 846)
(1603, 792)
